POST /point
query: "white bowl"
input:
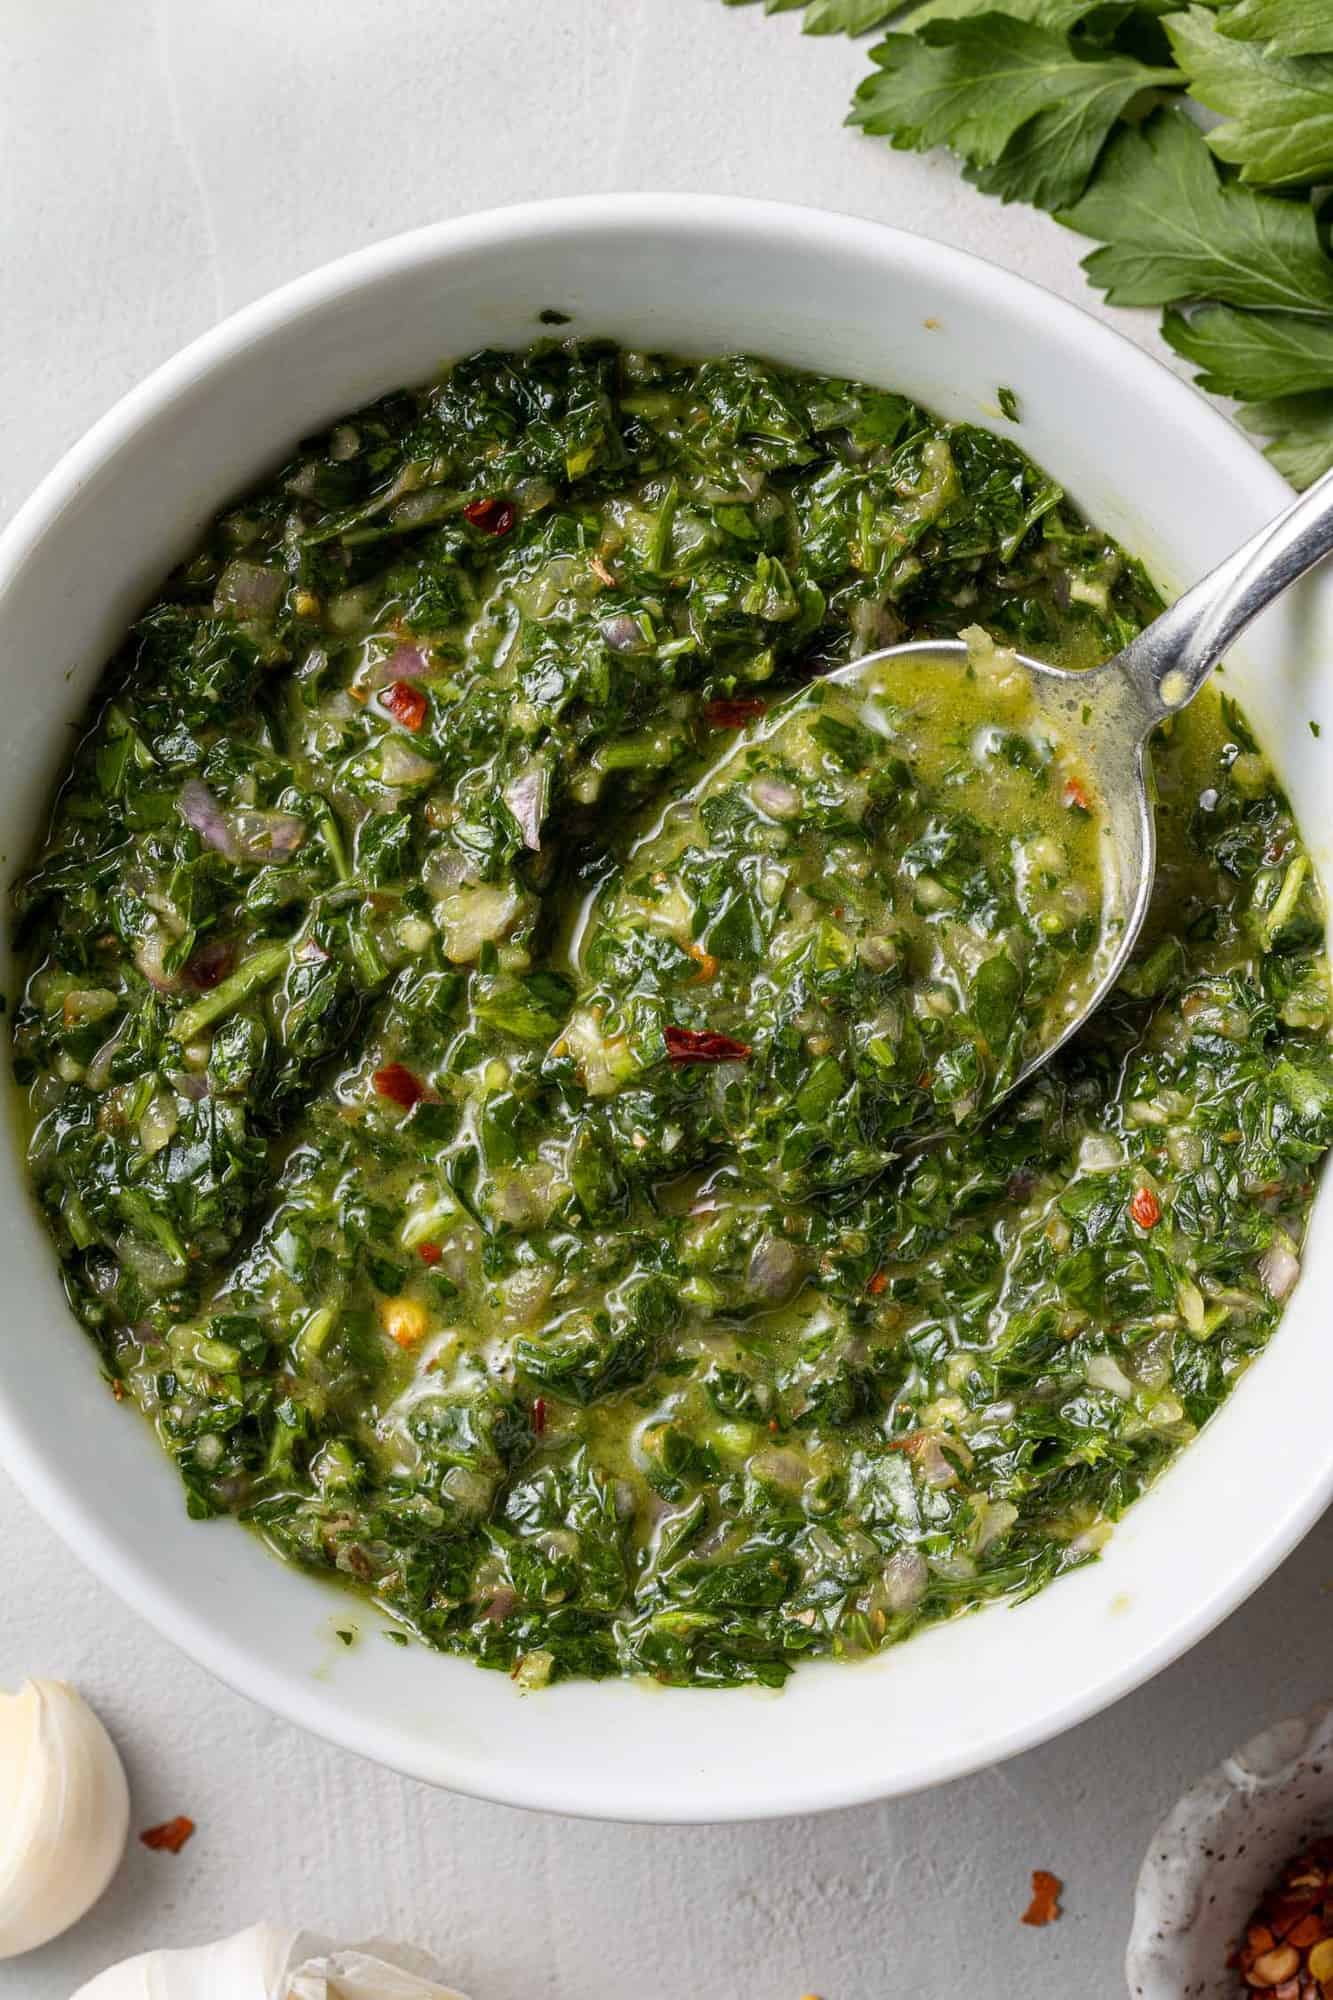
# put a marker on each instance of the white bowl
(1152, 463)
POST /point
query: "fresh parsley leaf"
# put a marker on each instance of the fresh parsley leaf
(1029, 94)
(847, 17)
(1286, 27)
(1301, 430)
(1254, 356)
(1041, 13)
(833, 17)
(1279, 109)
(1173, 230)
(1027, 112)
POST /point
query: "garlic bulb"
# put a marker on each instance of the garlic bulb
(64, 1813)
(245, 1967)
(262, 1964)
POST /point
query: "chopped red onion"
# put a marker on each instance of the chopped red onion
(526, 797)
(202, 811)
(776, 797)
(404, 663)
(774, 1270)
(932, 1464)
(905, 1580)
(247, 835)
(187, 1084)
(149, 953)
(623, 635)
(776, 1466)
(1279, 1267)
(266, 836)
(248, 590)
(401, 766)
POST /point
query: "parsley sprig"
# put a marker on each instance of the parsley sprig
(1095, 110)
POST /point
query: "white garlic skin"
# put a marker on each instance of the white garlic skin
(64, 1813)
(250, 1966)
(263, 1964)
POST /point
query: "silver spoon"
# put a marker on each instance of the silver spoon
(1108, 712)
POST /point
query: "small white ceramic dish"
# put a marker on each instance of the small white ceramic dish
(1152, 463)
(1216, 1852)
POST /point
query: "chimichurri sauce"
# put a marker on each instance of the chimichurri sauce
(506, 1046)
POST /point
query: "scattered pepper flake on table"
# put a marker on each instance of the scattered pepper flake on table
(170, 1836)
(1045, 1905)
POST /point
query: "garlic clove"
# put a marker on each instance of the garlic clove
(250, 1966)
(351, 1975)
(262, 1963)
(64, 1813)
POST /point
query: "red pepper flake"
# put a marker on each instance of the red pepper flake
(1076, 797)
(600, 571)
(493, 517)
(1145, 1208)
(170, 1837)
(734, 711)
(1045, 1905)
(878, 1284)
(396, 1082)
(117, 1389)
(699, 1045)
(406, 704)
(539, 1416)
(429, 1253)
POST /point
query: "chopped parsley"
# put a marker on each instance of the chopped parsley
(504, 1042)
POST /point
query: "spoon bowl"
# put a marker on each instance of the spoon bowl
(1108, 713)
(1095, 709)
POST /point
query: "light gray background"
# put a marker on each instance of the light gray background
(162, 164)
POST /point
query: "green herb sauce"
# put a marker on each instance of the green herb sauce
(506, 1046)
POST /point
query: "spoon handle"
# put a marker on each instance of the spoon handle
(1170, 661)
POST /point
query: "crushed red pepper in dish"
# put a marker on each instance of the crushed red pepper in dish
(733, 712)
(1287, 1949)
(698, 1045)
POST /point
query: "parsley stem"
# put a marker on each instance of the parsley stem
(329, 831)
(260, 969)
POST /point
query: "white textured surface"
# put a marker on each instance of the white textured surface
(164, 163)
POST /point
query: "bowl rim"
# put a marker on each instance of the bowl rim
(42, 1479)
